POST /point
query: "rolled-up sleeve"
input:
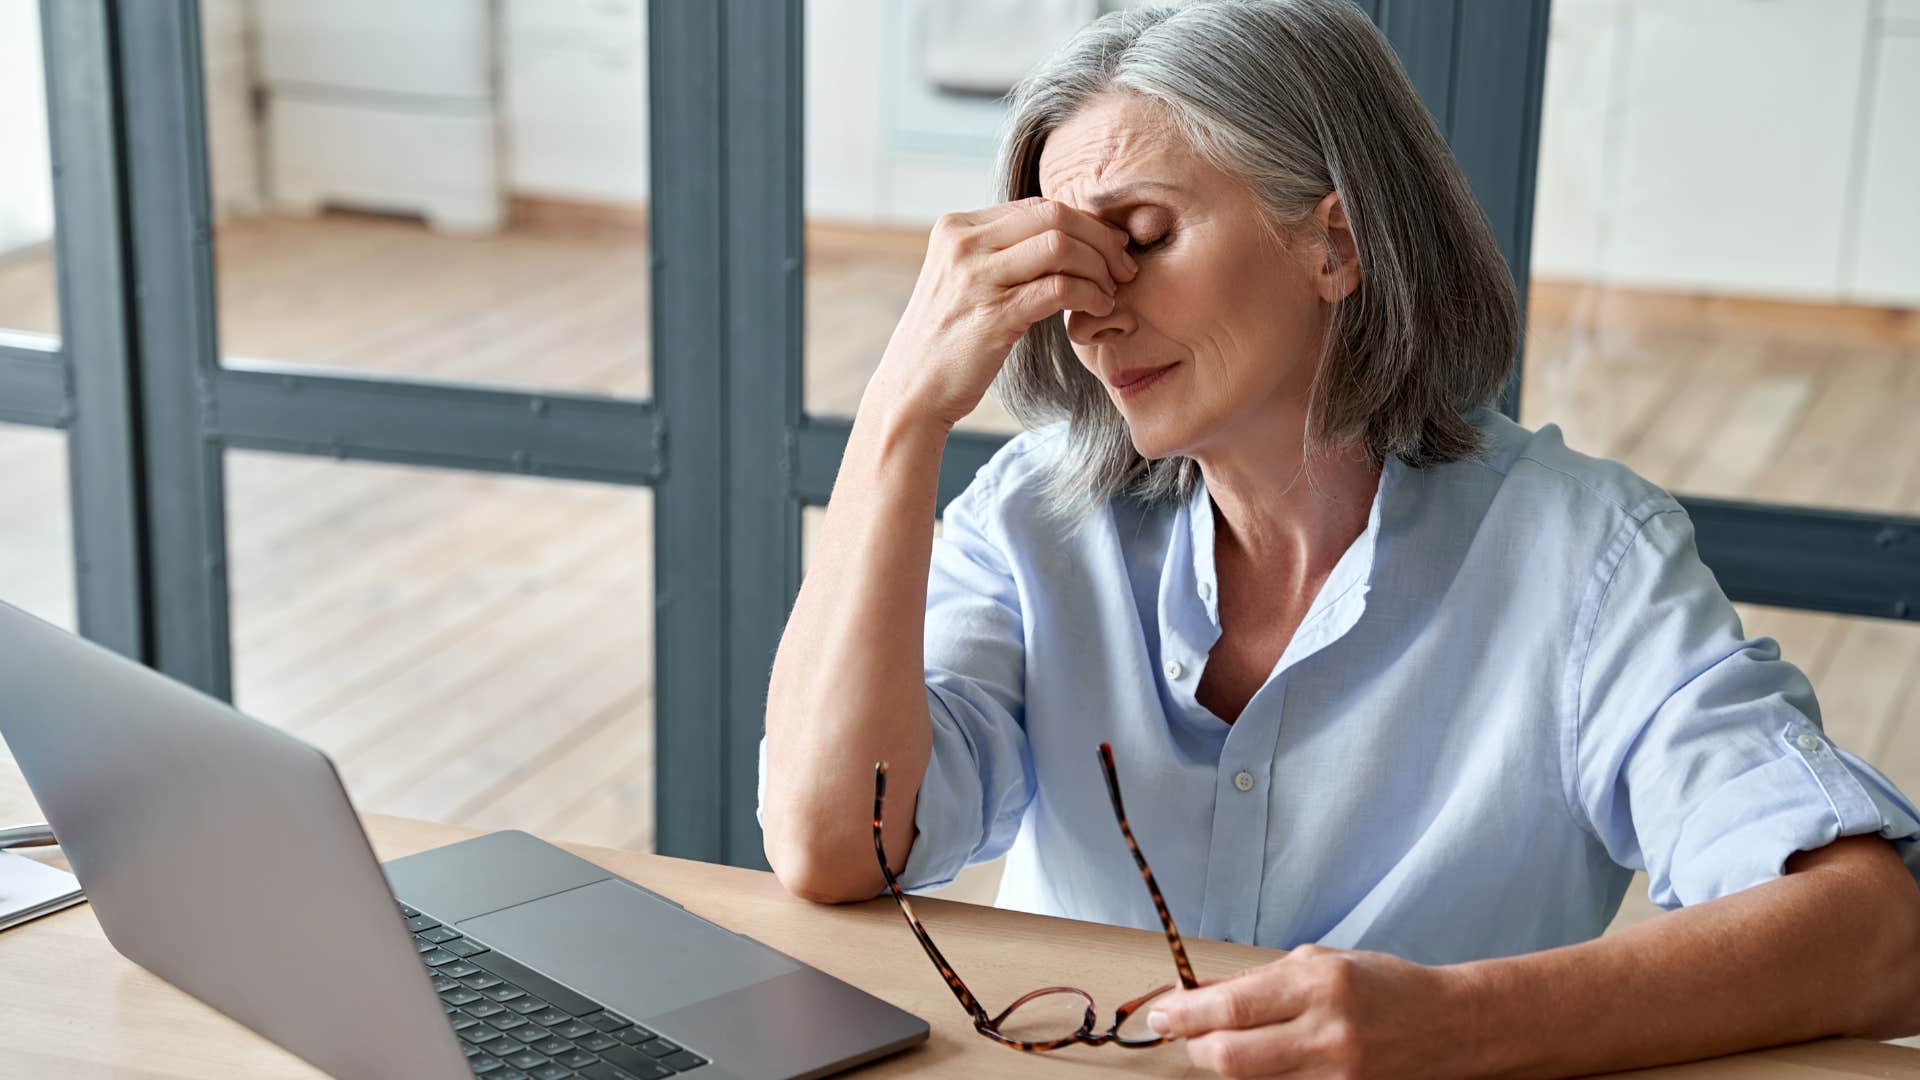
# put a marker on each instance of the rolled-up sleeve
(1696, 753)
(980, 775)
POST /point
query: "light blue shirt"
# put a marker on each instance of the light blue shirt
(1517, 685)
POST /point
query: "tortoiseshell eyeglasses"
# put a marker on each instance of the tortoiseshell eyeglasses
(992, 1026)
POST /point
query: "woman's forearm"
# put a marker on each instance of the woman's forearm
(1830, 949)
(847, 687)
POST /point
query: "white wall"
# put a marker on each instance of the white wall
(26, 180)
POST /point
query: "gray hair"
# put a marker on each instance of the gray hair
(1296, 98)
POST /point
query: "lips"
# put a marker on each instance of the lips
(1124, 378)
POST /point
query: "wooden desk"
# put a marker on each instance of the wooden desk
(72, 1007)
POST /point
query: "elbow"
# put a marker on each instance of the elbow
(820, 873)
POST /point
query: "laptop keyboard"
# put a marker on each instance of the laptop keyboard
(515, 1023)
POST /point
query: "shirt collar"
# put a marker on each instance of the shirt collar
(1344, 592)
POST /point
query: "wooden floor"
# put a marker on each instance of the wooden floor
(479, 649)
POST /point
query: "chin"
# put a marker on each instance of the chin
(1155, 437)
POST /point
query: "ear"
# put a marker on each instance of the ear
(1339, 271)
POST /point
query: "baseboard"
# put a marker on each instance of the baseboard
(1564, 301)
(630, 220)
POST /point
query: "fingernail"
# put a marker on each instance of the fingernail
(1132, 267)
(1157, 1020)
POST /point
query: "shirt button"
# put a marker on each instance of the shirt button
(1174, 670)
(1206, 591)
(1243, 780)
(1809, 742)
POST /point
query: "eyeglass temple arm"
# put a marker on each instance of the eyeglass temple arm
(1153, 888)
(954, 982)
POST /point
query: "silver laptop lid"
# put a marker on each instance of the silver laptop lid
(222, 855)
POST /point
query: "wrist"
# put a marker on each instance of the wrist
(899, 412)
(1473, 994)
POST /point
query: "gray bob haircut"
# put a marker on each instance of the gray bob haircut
(1296, 98)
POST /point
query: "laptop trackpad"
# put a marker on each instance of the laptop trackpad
(633, 953)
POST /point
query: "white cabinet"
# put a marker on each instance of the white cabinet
(1733, 146)
(382, 105)
(1736, 145)
(1886, 256)
(574, 98)
(434, 48)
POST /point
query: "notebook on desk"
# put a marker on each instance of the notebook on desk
(29, 889)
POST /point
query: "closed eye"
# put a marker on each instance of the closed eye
(1145, 245)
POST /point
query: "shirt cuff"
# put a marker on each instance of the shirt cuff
(1810, 795)
(948, 815)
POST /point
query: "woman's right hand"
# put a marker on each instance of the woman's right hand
(988, 276)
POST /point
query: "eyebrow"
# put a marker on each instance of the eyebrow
(1125, 191)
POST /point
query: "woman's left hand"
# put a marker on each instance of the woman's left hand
(1326, 1013)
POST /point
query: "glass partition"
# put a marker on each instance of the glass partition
(469, 648)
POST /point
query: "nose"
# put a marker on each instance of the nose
(1085, 328)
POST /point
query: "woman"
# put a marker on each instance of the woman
(1390, 680)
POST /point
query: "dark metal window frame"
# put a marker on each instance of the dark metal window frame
(149, 410)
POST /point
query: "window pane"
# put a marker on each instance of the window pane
(468, 648)
(28, 297)
(36, 532)
(899, 131)
(393, 205)
(1724, 291)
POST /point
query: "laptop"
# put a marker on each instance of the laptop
(222, 855)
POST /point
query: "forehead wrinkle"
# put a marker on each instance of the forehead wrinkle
(1121, 140)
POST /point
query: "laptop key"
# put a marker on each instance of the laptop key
(463, 947)
(571, 1029)
(407, 911)
(520, 1003)
(437, 957)
(526, 1059)
(484, 1009)
(536, 984)
(609, 1021)
(459, 969)
(482, 981)
(635, 1062)
(598, 1041)
(439, 934)
(553, 1046)
(573, 1059)
(501, 1018)
(510, 1073)
(551, 1072)
(462, 996)
(549, 1017)
(441, 983)
(482, 1064)
(422, 922)
(636, 1035)
(528, 1033)
(480, 1034)
(684, 1060)
(659, 1048)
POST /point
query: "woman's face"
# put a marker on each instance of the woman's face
(1216, 337)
